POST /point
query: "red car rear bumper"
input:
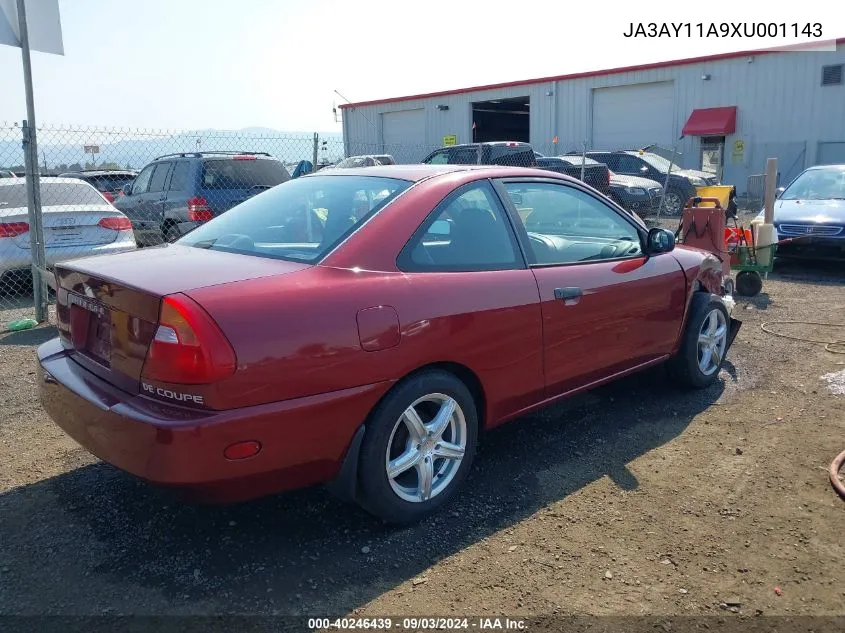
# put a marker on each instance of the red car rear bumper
(303, 441)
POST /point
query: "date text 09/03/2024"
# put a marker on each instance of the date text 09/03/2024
(418, 624)
(810, 30)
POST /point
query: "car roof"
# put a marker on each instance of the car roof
(416, 173)
(99, 172)
(46, 179)
(826, 167)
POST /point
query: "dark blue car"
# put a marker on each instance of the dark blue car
(176, 193)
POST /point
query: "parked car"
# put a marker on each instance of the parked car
(812, 210)
(682, 182)
(511, 153)
(109, 182)
(7, 174)
(636, 194)
(77, 220)
(596, 174)
(244, 359)
(176, 193)
(366, 161)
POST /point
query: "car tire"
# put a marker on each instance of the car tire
(673, 206)
(707, 328)
(415, 404)
(170, 232)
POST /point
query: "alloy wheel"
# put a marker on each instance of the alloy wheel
(426, 448)
(712, 341)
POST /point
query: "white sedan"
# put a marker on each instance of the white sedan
(78, 222)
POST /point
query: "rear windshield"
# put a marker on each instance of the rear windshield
(243, 174)
(52, 193)
(111, 182)
(301, 220)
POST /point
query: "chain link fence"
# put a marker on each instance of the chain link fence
(108, 190)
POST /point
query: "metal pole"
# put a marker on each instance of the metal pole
(583, 160)
(666, 184)
(771, 186)
(316, 150)
(33, 180)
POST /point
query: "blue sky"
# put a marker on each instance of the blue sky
(275, 63)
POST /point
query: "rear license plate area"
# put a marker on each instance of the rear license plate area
(90, 328)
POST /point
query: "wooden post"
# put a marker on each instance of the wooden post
(771, 187)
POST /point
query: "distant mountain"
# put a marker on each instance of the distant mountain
(137, 148)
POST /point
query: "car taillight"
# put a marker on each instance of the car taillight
(115, 224)
(188, 348)
(108, 195)
(13, 229)
(198, 210)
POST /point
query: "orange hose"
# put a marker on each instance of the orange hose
(835, 467)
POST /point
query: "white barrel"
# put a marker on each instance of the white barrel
(766, 236)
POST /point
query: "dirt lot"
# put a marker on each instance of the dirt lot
(635, 499)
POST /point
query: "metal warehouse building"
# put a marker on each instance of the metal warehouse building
(724, 113)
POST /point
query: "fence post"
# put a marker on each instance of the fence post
(771, 186)
(316, 150)
(583, 159)
(36, 229)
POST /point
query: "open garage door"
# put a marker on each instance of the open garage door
(501, 120)
(403, 135)
(631, 117)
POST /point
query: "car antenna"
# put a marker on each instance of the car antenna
(362, 114)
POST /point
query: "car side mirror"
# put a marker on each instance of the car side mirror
(779, 191)
(660, 241)
(127, 189)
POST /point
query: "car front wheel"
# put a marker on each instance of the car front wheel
(704, 344)
(418, 447)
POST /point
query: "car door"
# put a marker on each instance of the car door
(174, 202)
(134, 205)
(157, 194)
(606, 306)
(466, 251)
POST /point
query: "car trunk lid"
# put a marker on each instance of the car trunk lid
(107, 308)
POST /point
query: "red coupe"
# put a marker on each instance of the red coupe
(361, 327)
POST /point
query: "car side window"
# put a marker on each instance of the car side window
(631, 164)
(179, 178)
(566, 225)
(439, 158)
(610, 160)
(465, 156)
(159, 176)
(142, 182)
(468, 231)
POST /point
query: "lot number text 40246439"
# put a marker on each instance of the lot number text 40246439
(810, 30)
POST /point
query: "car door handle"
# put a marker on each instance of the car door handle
(567, 294)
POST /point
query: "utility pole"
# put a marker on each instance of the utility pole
(33, 179)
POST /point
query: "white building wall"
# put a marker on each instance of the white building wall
(783, 110)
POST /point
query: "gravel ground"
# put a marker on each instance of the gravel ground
(635, 499)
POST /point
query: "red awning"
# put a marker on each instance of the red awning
(711, 122)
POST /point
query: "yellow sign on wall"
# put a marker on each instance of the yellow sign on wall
(450, 139)
(738, 153)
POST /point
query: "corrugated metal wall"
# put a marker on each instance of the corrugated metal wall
(783, 111)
